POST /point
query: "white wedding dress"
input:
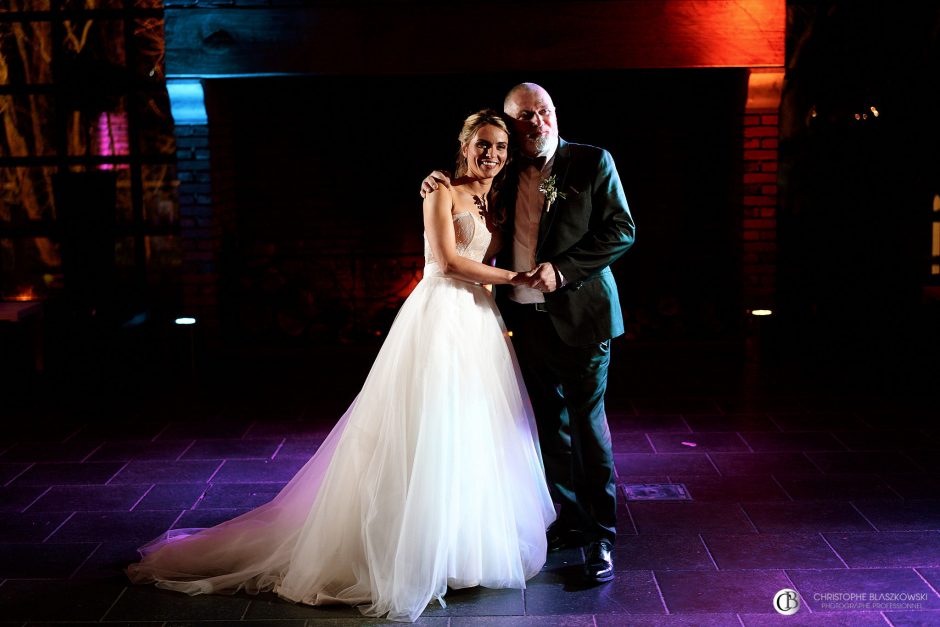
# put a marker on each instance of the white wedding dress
(432, 478)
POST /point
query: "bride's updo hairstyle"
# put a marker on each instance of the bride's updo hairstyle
(471, 125)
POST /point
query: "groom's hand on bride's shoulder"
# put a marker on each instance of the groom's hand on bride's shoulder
(433, 181)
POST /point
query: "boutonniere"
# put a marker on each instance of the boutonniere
(547, 187)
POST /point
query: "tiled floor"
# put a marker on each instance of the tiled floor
(802, 481)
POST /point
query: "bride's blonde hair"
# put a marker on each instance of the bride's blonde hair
(471, 125)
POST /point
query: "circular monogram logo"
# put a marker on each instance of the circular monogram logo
(787, 602)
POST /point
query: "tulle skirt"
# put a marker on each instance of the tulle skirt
(431, 479)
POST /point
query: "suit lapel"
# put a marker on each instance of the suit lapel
(560, 172)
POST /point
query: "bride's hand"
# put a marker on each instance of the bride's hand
(519, 279)
(522, 278)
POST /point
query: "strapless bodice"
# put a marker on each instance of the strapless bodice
(472, 237)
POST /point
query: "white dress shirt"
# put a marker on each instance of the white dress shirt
(529, 204)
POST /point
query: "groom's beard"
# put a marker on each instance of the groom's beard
(541, 143)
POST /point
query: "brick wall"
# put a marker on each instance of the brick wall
(200, 227)
(759, 221)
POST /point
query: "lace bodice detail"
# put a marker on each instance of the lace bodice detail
(473, 238)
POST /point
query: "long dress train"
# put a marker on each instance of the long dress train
(432, 478)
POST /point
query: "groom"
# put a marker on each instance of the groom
(569, 220)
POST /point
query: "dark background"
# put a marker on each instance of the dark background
(331, 166)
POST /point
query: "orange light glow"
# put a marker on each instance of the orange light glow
(25, 295)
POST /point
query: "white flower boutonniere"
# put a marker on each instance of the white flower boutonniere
(547, 187)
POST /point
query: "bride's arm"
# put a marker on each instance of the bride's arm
(439, 227)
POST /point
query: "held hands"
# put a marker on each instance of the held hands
(521, 278)
(541, 278)
(433, 180)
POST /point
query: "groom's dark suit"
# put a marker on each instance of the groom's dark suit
(564, 345)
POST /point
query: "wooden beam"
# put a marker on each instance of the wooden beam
(417, 38)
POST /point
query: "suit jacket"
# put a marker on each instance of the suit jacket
(581, 235)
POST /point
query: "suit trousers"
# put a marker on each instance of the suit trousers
(566, 385)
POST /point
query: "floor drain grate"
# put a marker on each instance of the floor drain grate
(656, 492)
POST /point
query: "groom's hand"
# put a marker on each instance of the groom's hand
(544, 278)
(433, 180)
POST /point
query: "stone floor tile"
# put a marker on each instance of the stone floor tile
(875, 589)
(704, 423)
(685, 517)
(679, 620)
(286, 622)
(89, 498)
(761, 441)
(647, 424)
(57, 600)
(805, 618)
(205, 429)
(817, 421)
(750, 591)
(759, 403)
(696, 442)
(42, 561)
(88, 473)
(572, 620)
(887, 549)
(259, 471)
(630, 442)
(9, 471)
(238, 495)
(564, 592)
(661, 552)
(123, 430)
(731, 489)
(71, 451)
(269, 607)
(910, 515)
(28, 527)
(666, 404)
(151, 603)
(750, 464)
(172, 496)
(932, 575)
(134, 526)
(835, 487)
(289, 429)
(887, 440)
(299, 447)
(203, 518)
(663, 463)
(140, 450)
(805, 516)
(928, 461)
(260, 448)
(166, 472)
(480, 602)
(18, 498)
(770, 551)
(916, 486)
(861, 463)
(108, 562)
(914, 618)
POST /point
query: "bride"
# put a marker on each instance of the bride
(432, 478)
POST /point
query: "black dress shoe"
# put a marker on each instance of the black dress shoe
(598, 563)
(560, 538)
